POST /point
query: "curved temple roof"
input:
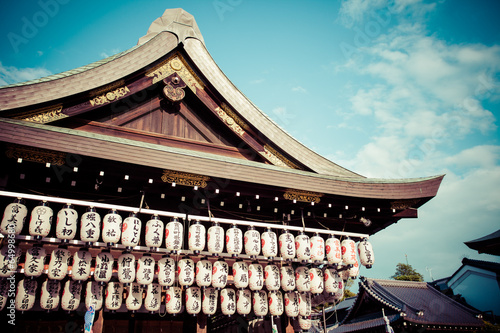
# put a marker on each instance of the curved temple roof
(177, 30)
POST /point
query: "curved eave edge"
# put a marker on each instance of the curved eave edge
(21, 132)
(201, 57)
(89, 77)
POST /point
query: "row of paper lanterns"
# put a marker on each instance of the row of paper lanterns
(302, 247)
(196, 299)
(204, 272)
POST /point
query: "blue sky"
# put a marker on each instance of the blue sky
(388, 89)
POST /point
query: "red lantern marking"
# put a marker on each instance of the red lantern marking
(327, 249)
(214, 270)
(168, 298)
(343, 250)
(287, 301)
(297, 245)
(166, 233)
(262, 242)
(245, 239)
(124, 227)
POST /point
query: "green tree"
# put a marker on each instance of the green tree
(405, 272)
(347, 292)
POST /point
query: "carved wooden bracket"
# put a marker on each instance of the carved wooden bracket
(174, 88)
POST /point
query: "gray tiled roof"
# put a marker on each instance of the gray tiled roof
(415, 302)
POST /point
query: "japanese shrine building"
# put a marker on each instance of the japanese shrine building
(159, 129)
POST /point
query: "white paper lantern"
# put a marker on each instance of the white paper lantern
(4, 292)
(70, 300)
(348, 251)
(287, 245)
(82, 261)
(193, 300)
(272, 277)
(354, 270)
(340, 292)
(41, 220)
(333, 250)
(275, 303)
(9, 259)
(219, 274)
(292, 304)
(252, 242)
(90, 226)
(152, 302)
(111, 228)
(166, 271)
(269, 242)
(366, 256)
(131, 231)
(333, 281)
(215, 239)
(34, 262)
(302, 247)
(234, 241)
(133, 302)
(287, 276)
(228, 301)
(14, 217)
(174, 300)
(243, 302)
(302, 280)
(49, 295)
(255, 276)
(26, 294)
(103, 270)
(93, 295)
(317, 248)
(126, 268)
(204, 272)
(174, 234)
(67, 223)
(59, 262)
(260, 303)
(186, 270)
(114, 296)
(317, 280)
(209, 301)
(196, 237)
(305, 304)
(305, 323)
(154, 233)
(145, 272)
(240, 274)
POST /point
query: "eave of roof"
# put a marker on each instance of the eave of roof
(108, 147)
(411, 300)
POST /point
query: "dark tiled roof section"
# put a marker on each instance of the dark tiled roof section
(363, 324)
(88, 77)
(486, 265)
(158, 156)
(412, 297)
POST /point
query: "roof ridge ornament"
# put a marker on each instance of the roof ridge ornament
(176, 21)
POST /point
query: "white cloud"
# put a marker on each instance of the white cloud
(11, 74)
(258, 81)
(109, 53)
(483, 156)
(299, 89)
